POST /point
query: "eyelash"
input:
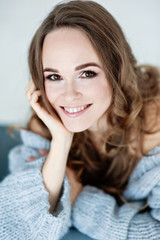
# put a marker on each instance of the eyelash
(84, 72)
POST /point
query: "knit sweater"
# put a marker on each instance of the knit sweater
(24, 206)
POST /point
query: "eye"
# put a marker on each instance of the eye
(54, 77)
(88, 74)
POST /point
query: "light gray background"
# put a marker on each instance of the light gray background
(19, 19)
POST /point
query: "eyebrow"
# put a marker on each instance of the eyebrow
(76, 69)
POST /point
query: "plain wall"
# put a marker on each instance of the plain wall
(19, 20)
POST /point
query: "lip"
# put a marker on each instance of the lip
(77, 114)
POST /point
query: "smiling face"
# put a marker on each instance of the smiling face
(75, 83)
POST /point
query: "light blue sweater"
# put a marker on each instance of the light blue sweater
(24, 206)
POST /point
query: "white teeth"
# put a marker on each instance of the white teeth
(74, 110)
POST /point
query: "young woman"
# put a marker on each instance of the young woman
(90, 157)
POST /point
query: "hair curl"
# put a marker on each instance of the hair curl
(133, 87)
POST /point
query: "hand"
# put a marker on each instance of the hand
(76, 187)
(42, 152)
(53, 123)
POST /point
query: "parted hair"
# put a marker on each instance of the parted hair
(133, 86)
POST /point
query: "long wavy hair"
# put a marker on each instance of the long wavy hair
(133, 88)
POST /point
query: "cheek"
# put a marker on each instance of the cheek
(50, 93)
(106, 91)
(100, 92)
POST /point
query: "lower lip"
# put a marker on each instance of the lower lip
(77, 114)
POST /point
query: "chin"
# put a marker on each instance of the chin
(76, 129)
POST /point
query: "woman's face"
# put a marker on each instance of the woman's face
(75, 83)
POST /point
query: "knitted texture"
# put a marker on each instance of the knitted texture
(98, 215)
(24, 206)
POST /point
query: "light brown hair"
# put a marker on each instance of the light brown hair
(133, 87)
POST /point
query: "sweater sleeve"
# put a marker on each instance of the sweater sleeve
(98, 215)
(24, 206)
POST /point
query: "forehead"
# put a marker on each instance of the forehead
(68, 44)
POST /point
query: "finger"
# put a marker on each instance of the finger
(31, 159)
(43, 152)
(30, 85)
(30, 88)
(40, 110)
(34, 97)
(38, 107)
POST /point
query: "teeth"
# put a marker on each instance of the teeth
(74, 110)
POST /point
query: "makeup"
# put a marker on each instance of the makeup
(75, 111)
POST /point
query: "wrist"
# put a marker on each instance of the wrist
(62, 142)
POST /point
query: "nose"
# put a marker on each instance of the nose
(72, 93)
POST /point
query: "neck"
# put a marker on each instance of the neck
(98, 138)
(100, 127)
